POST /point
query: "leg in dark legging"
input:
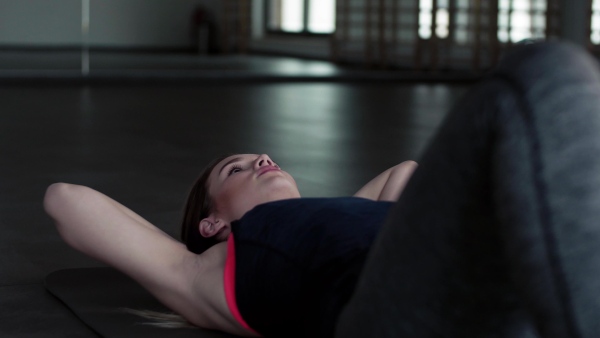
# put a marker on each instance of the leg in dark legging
(498, 232)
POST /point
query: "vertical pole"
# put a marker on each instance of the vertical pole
(276, 9)
(305, 18)
(368, 42)
(85, 30)
(336, 37)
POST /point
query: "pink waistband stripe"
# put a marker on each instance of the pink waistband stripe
(229, 284)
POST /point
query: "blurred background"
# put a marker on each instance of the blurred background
(134, 97)
(417, 35)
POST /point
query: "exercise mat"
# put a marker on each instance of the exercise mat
(98, 296)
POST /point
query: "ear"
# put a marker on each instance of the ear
(210, 226)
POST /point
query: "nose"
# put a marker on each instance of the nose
(263, 160)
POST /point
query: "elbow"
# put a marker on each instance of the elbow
(406, 169)
(55, 198)
(403, 171)
(410, 165)
(60, 200)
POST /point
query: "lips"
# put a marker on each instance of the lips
(266, 169)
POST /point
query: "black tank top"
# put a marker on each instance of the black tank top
(297, 262)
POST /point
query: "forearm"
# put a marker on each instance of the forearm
(397, 179)
(388, 185)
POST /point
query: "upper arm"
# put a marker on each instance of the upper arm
(90, 222)
(189, 284)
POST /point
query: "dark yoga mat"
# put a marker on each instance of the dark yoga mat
(96, 296)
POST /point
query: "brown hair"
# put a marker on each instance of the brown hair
(199, 205)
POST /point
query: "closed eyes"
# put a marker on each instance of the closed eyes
(234, 169)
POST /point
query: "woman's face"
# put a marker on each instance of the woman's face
(240, 182)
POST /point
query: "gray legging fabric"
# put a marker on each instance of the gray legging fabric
(498, 232)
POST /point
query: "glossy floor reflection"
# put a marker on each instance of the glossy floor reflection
(125, 67)
(106, 60)
(144, 145)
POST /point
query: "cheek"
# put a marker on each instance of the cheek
(233, 195)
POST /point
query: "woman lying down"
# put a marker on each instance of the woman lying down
(246, 227)
(499, 220)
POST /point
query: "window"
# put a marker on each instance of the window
(461, 22)
(595, 34)
(521, 19)
(426, 17)
(517, 19)
(301, 16)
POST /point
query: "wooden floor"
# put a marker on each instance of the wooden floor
(144, 145)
